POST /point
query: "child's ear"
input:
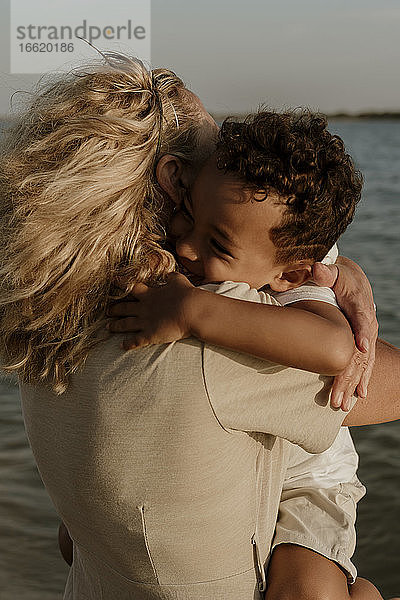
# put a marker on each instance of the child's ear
(293, 277)
(169, 174)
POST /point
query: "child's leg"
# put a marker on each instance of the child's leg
(363, 588)
(65, 543)
(296, 573)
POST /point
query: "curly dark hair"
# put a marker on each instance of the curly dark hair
(293, 157)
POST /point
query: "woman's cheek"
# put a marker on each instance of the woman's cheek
(178, 225)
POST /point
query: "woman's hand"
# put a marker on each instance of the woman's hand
(154, 315)
(354, 296)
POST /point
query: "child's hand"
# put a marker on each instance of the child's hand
(354, 296)
(155, 315)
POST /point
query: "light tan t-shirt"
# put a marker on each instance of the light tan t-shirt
(165, 465)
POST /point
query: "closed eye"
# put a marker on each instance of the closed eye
(220, 248)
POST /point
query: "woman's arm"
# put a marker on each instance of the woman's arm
(383, 401)
(313, 336)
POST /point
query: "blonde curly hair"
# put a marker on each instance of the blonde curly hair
(80, 208)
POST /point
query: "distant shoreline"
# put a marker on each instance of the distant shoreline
(384, 115)
(366, 115)
(378, 115)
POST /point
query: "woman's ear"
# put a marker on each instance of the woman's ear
(169, 173)
(293, 277)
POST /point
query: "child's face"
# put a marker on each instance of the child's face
(221, 232)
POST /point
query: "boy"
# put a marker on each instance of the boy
(303, 189)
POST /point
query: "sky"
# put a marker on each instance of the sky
(337, 55)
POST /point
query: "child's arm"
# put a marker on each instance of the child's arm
(383, 403)
(310, 335)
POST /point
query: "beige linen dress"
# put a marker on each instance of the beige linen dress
(167, 466)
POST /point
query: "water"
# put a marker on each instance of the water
(373, 240)
(30, 565)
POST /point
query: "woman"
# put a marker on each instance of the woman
(82, 215)
(89, 144)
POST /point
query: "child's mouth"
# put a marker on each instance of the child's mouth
(193, 278)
